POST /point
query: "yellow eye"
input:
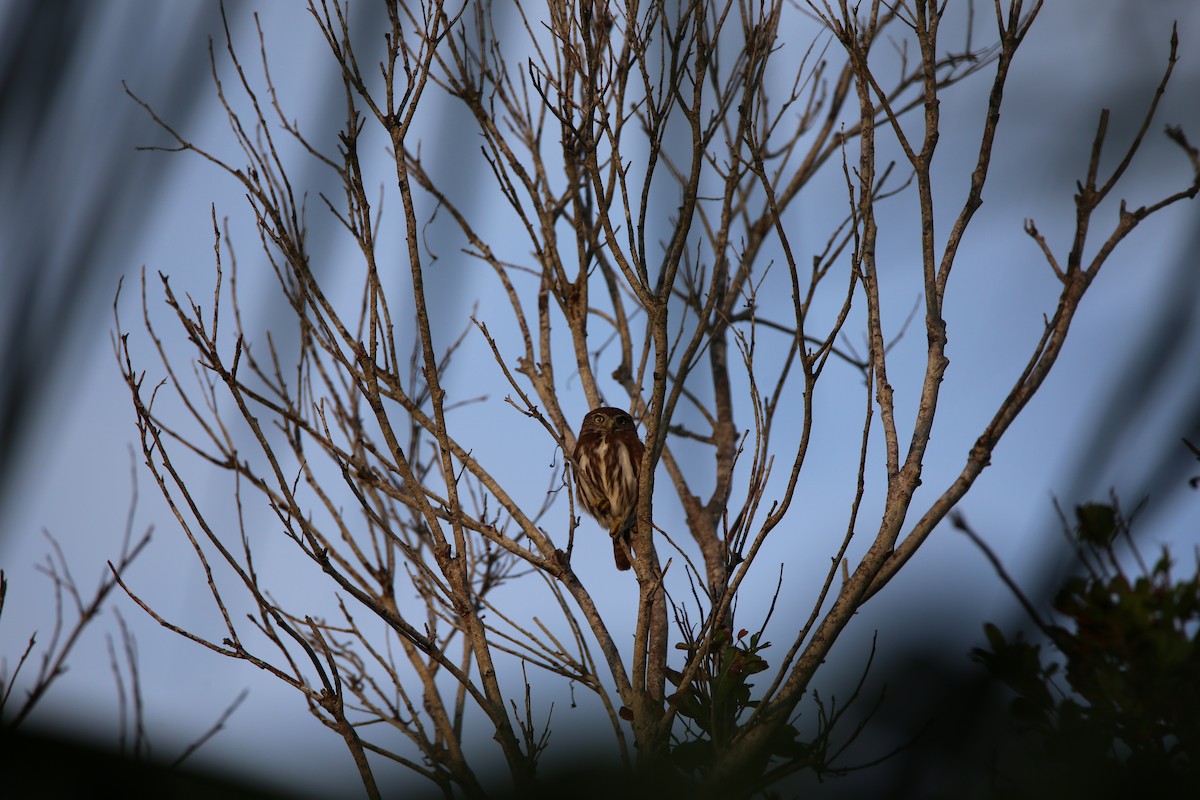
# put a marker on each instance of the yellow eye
(598, 418)
(624, 421)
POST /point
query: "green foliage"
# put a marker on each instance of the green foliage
(1128, 648)
(713, 702)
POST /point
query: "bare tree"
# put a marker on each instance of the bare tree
(71, 603)
(354, 445)
(55, 655)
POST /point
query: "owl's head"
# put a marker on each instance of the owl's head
(606, 420)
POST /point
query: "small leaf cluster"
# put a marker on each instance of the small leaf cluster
(713, 702)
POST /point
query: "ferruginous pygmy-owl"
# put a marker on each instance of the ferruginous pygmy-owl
(608, 461)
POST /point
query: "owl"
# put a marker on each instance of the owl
(608, 461)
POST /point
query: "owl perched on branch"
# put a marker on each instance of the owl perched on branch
(608, 463)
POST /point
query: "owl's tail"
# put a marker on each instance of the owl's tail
(621, 548)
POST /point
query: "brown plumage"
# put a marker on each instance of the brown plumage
(608, 462)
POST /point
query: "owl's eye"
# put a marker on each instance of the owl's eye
(624, 421)
(598, 418)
